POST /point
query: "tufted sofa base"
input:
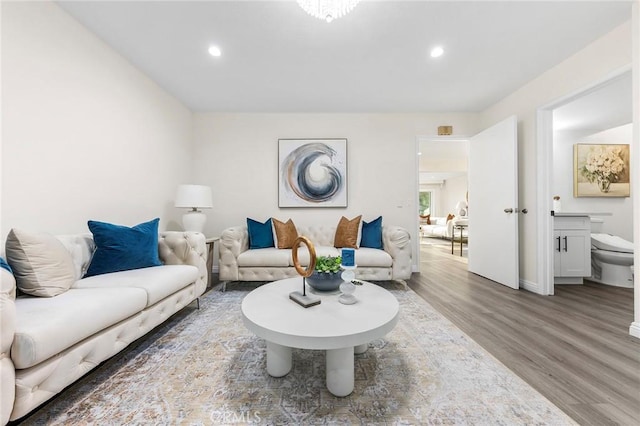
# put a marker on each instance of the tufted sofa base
(37, 384)
(25, 389)
(234, 245)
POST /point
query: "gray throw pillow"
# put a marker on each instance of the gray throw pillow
(41, 264)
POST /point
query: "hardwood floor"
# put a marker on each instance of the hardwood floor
(574, 347)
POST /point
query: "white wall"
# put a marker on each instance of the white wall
(447, 195)
(621, 209)
(454, 190)
(605, 55)
(237, 154)
(85, 135)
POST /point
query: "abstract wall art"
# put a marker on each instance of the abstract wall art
(312, 172)
(601, 170)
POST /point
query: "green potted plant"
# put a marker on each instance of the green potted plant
(326, 275)
(328, 264)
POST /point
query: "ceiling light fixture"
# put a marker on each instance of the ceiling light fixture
(437, 51)
(328, 10)
(215, 51)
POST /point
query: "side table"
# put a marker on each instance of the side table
(461, 227)
(211, 242)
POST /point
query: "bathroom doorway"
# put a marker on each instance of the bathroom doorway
(601, 114)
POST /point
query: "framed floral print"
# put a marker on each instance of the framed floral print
(601, 170)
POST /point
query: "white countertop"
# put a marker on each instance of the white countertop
(575, 214)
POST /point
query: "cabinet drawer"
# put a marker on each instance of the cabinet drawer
(569, 222)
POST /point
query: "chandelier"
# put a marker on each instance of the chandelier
(328, 10)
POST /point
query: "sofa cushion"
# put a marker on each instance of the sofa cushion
(40, 263)
(348, 232)
(158, 282)
(120, 248)
(373, 258)
(372, 234)
(260, 234)
(46, 327)
(285, 233)
(303, 254)
(265, 257)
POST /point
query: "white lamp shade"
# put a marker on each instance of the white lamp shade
(194, 197)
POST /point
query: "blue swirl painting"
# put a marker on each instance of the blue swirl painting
(313, 173)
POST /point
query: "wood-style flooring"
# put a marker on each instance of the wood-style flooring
(574, 347)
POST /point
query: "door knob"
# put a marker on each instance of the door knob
(524, 211)
(508, 210)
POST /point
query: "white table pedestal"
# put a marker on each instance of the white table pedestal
(340, 373)
(360, 349)
(278, 359)
(332, 326)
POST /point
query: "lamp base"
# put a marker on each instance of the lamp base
(194, 221)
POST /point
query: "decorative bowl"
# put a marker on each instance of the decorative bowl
(325, 281)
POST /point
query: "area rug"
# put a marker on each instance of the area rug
(203, 367)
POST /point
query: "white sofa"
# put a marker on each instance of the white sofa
(439, 227)
(47, 343)
(239, 263)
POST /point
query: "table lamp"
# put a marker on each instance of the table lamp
(194, 197)
(462, 209)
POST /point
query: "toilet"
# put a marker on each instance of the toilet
(611, 257)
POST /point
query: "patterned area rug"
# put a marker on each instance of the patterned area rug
(203, 367)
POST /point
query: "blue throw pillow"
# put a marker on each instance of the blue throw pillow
(372, 234)
(120, 248)
(260, 234)
(5, 265)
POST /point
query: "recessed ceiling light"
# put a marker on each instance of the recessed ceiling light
(437, 51)
(215, 51)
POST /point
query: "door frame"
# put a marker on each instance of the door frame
(544, 128)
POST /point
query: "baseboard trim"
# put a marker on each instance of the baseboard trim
(530, 286)
(634, 330)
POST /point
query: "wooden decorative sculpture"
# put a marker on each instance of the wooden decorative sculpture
(301, 298)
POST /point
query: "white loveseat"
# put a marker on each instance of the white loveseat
(48, 343)
(239, 263)
(438, 227)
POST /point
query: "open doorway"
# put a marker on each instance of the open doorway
(600, 115)
(442, 193)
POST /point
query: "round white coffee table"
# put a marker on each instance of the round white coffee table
(341, 330)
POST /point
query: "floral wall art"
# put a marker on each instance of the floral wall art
(312, 173)
(601, 170)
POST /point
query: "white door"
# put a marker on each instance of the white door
(493, 203)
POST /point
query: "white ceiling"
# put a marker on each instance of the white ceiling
(276, 58)
(607, 107)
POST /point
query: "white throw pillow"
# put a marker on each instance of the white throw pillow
(41, 264)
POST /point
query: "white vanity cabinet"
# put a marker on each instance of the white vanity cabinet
(571, 249)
